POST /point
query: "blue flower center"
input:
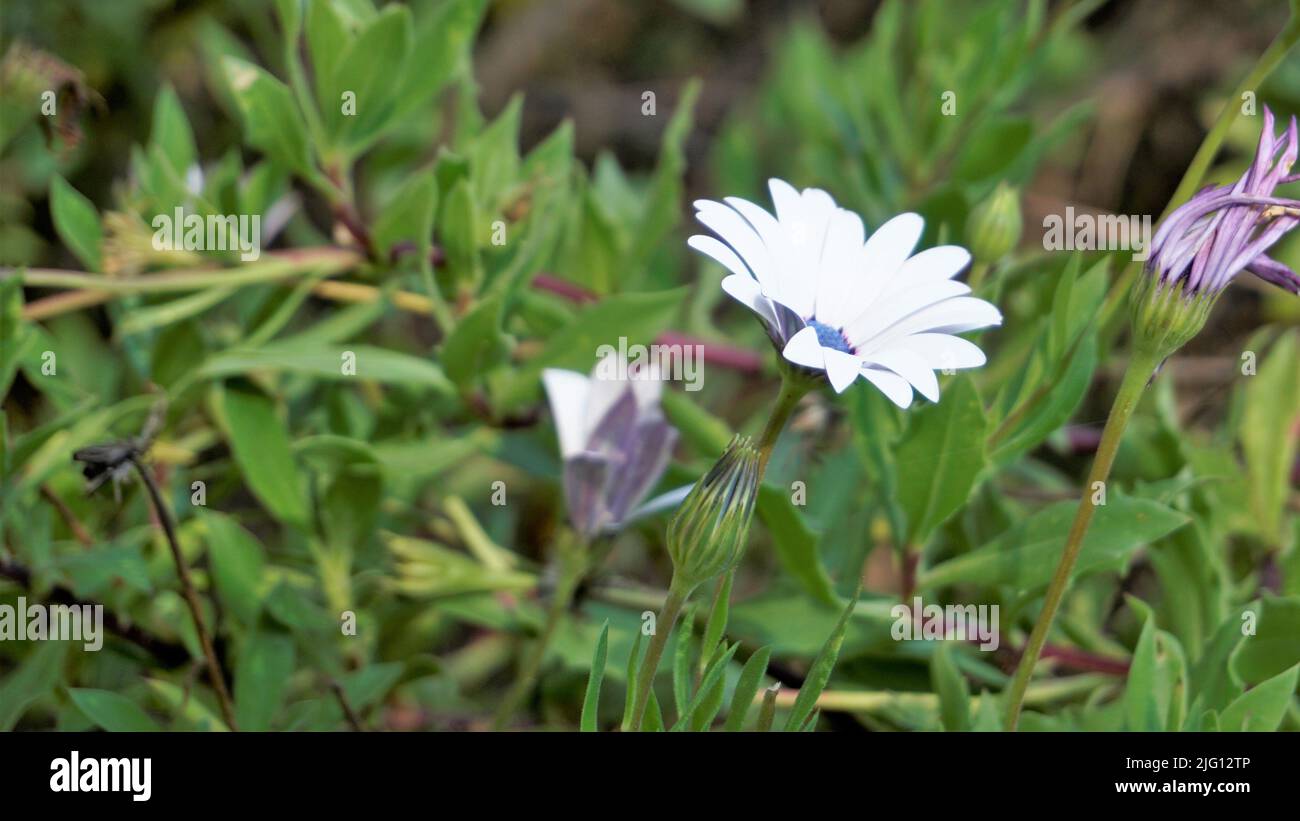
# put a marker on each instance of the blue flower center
(829, 337)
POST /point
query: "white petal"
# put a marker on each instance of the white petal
(891, 385)
(930, 266)
(894, 308)
(789, 207)
(952, 316)
(885, 251)
(842, 368)
(745, 290)
(912, 367)
(944, 352)
(783, 261)
(732, 228)
(818, 206)
(567, 393)
(841, 267)
(648, 388)
(804, 349)
(721, 253)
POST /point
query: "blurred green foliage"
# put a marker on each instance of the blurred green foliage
(452, 266)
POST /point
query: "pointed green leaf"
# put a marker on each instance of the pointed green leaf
(113, 712)
(751, 678)
(820, 671)
(591, 701)
(76, 221)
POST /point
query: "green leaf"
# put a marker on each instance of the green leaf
(272, 121)
(939, 459)
(742, 698)
(237, 566)
(717, 623)
(953, 690)
(14, 331)
(1261, 708)
(326, 362)
(796, 545)
(113, 712)
(458, 226)
(706, 434)
(184, 704)
(77, 222)
(1026, 555)
(638, 317)
(1272, 399)
(711, 680)
(171, 134)
(494, 156)
(327, 39)
(442, 42)
(1055, 398)
(34, 677)
(365, 687)
(1274, 647)
(260, 442)
(290, 14)
(261, 679)
(591, 701)
(1142, 700)
(476, 344)
(662, 208)
(409, 216)
(633, 667)
(820, 671)
(367, 69)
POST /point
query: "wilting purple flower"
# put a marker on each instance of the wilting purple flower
(613, 438)
(1224, 230)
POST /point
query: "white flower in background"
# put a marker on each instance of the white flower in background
(614, 441)
(837, 301)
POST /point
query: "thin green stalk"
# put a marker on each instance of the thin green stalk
(677, 595)
(572, 567)
(1137, 376)
(793, 387)
(325, 261)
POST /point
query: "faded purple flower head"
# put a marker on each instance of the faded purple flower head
(614, 440)
(1224, 230)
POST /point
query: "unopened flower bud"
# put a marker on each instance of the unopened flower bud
(708, 534)
(993, 227)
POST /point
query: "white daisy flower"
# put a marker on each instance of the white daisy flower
(614, 440)
(837, 301)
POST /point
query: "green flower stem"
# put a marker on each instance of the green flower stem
(793, 387)
(1195, 174)
(1140, 368)
(572, 564)
(678, 593)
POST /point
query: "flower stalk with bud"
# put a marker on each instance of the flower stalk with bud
(615, 444)
(1196, 252)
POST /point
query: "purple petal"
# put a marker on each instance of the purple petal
(584, 492)
(644, 463)
(1270, 270)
